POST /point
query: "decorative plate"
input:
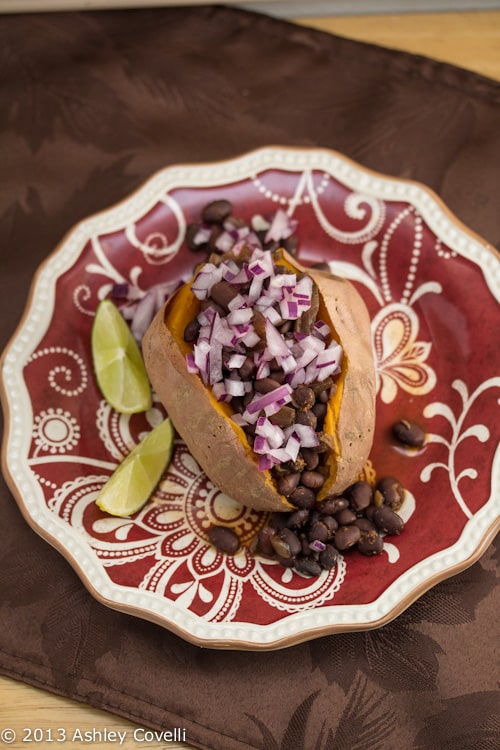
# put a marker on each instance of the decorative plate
(432, 288)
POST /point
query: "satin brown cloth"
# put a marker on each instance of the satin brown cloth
(90, 105)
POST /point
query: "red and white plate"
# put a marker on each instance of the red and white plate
(432, 288)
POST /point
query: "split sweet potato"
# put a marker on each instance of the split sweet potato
(219, 445)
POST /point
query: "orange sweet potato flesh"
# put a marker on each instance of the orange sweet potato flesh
(219, 445)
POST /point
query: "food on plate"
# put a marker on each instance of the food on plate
(266, 370)
(118, 363)
(134, 481)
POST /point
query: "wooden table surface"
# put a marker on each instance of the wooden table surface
(470, 40)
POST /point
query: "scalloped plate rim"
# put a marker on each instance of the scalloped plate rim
(288, 631)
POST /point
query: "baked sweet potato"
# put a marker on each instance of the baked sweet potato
(221, 446)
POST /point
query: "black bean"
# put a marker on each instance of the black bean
(286, 543)
(278, 521)
(223, 292)
(206, 303)
(287, 484)
(265, 385)
(345, 517)
(297, 518)
(312, 479)
(360, 495)
(330, 522)
(303, 397)
(319, 532)
(279, 376)
(298, 465)
(264, 541)
(387, 520)
(286, 562)
(371, 543)
(191, 331)
(319, 411)
(302, 497)
(328, 556)
(285, 417)
(321, 386)
(369, 512)
(389, 491)
(191, 232)
(326, 443)
(247, 369)
(306, 550)
(216, 212)
(307, 418)
(364, 525)
(409, 433)
(346, 537)
(310, 457)
(332, 505)
(224, 539)
(307, 567)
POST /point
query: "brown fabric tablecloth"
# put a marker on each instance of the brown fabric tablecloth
(90, 105)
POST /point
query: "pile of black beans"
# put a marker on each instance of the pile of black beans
(310, 538)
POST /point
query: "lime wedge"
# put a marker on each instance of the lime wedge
(136, 478)
(118, 364)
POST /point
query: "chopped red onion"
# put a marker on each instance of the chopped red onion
(282, 227)
(240, 316)
(317, 546)
(255, 289)
(293, 446)
(143, 315)
(192, 367)
(288, 280)
(237, 301)
(273, 315)
(235, 361)
(224, 242)
(220, 393)
(281, 396)
(321, 329)
(266, 462)
(276, 344)
(234, 387)
(259, 224)
(273, 433)
(262, 266)
(263, 370)
(202, 235)
(251, 338)
(289, 309)
(307, 436)
(280, 455)
(205, 279)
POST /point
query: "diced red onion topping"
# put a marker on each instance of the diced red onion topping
(139, 307)
(278, 297)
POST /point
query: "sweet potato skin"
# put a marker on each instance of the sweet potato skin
(214, 441)
(210, 435)
(355, 420)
